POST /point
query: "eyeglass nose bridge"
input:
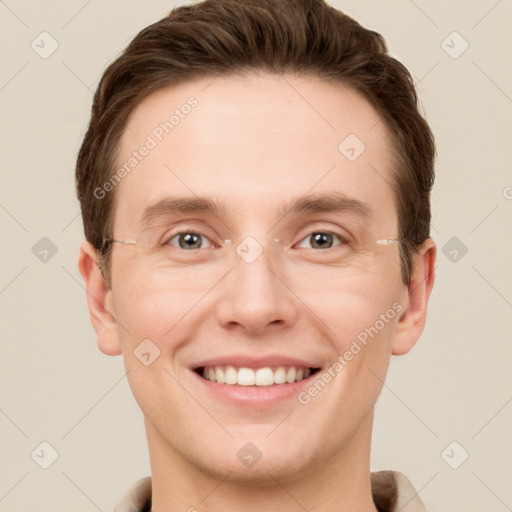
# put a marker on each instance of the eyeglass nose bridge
(229, 241)
(249, 248)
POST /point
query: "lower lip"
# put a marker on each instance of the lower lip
(262, 396)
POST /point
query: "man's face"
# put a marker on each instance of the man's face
(252, 146)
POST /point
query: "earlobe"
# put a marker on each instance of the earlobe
(412, 321)
(99, 301)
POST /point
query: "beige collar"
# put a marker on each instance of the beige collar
(391, 490)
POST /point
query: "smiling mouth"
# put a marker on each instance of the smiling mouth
(265, 376)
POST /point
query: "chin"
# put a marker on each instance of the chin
(256, 460)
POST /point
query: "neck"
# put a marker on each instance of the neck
(340, 483)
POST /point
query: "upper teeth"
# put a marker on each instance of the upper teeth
(266, 376)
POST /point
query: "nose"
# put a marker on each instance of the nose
(255, 296)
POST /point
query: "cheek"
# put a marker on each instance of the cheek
(149, 313)
(349, 305)
(145, 309)
(359, 319)
(152, 331)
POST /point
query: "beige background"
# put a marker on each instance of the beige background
(57, 387)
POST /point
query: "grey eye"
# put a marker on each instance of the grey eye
(322, 239)
(190, 240)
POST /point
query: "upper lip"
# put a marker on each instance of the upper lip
(243, 360)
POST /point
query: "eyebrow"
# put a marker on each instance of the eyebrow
(308, 204)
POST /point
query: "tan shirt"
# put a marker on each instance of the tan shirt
(391, 490)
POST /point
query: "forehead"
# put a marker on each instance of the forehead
(254, 144)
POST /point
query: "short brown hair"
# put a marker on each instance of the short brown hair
(225, 37)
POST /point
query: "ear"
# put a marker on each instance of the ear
(411, 323)
(99, 301)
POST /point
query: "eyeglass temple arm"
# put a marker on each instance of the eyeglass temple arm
(126, 242)
(389, 241)
(107, 241)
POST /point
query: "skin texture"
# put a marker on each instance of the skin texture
(252, 143)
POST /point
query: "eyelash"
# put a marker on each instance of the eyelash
(171, 236)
